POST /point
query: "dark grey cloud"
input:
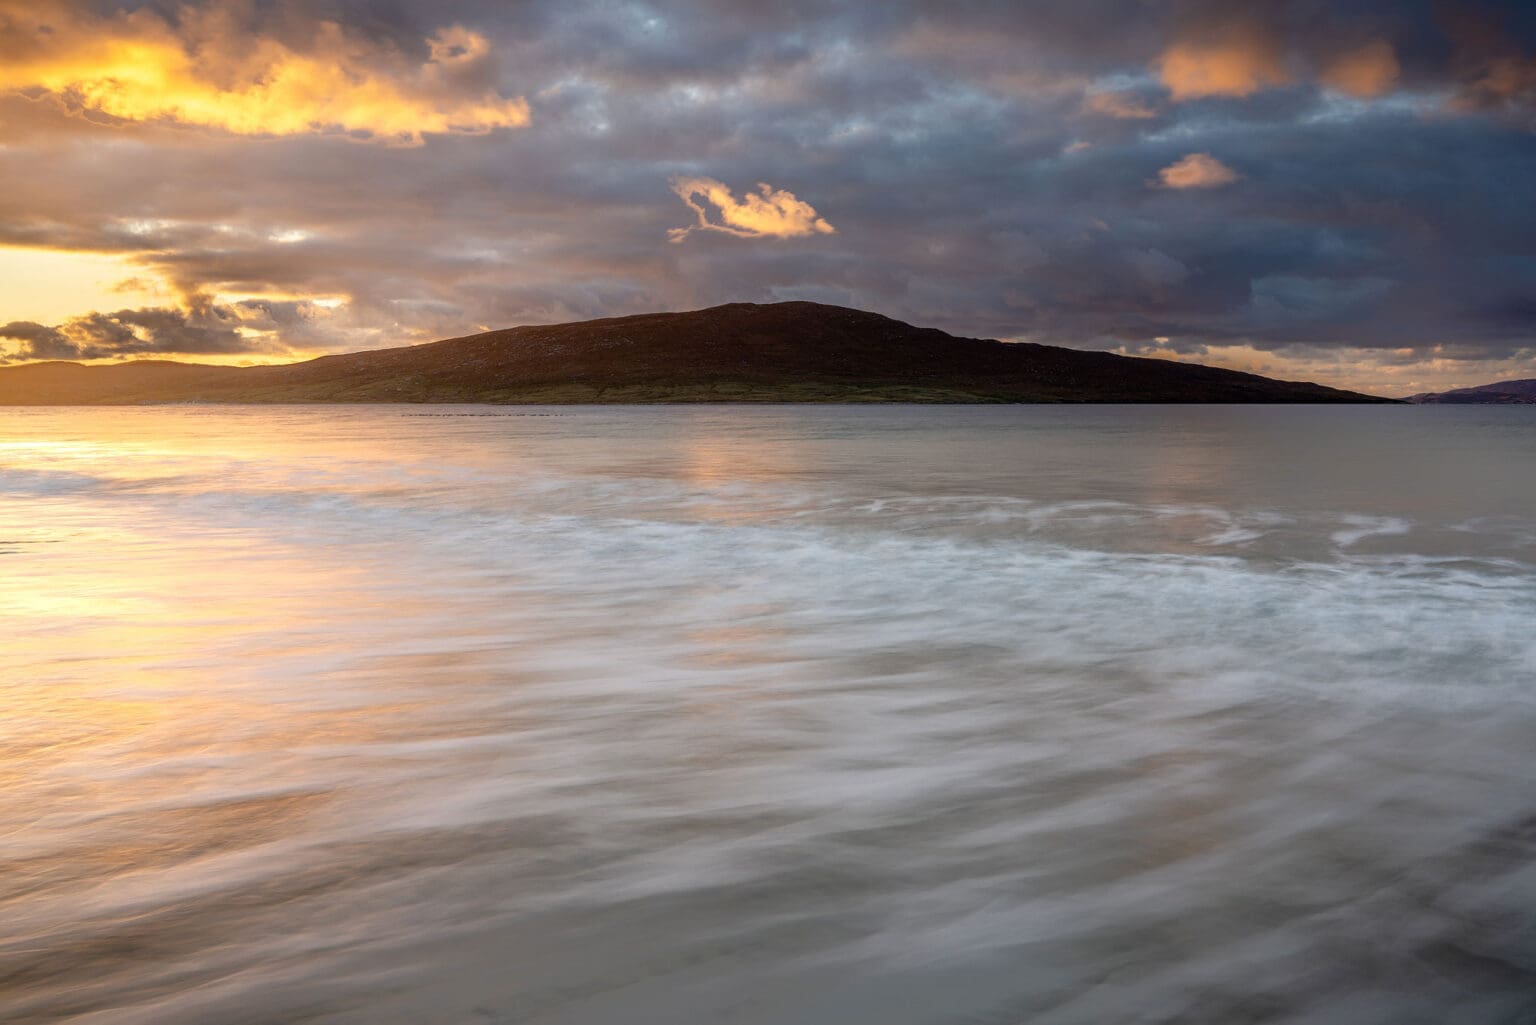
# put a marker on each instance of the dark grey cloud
(205, 329)
(990, 169)
(38, 341)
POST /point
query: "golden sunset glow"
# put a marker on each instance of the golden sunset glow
(137, 68)
(47, 286)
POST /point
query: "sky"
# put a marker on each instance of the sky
(1338, 192)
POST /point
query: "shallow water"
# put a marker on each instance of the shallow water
(894, 715)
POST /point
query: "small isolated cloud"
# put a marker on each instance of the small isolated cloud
(766, 213)
(1197, 171)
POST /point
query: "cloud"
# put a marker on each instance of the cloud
(1369, 71)
(909, 119)
(207, 69)
(1237, 62)
(1506, 82)
(767, 213)
(1118, 104)
(204, 329)
(1286, 299)
(38, 341)
(1197, 171)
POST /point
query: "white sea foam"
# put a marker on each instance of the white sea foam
(581, 723)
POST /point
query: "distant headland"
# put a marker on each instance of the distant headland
(1500, 393)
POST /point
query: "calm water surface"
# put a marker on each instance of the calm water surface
(768, 715)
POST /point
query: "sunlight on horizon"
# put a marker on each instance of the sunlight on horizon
(48, 286)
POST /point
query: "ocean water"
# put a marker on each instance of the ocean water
(895, 715)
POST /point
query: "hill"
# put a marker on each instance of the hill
(740, 352)
(1504, 393)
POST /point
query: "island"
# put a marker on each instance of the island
(739, 352)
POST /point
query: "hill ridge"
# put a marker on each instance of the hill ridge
(1517, 392)
(794, 351)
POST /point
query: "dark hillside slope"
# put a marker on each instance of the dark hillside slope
(793, 351)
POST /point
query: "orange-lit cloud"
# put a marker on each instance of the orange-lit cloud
(1111, 103)
(1237, 63)
(767, 213)
(204, 71)
(1502, 81)
(1197, 171)
(1368, 71)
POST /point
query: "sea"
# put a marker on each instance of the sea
(768, 715)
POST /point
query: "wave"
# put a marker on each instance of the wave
(344, 739)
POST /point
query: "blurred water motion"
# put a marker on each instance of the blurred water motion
(895, 715)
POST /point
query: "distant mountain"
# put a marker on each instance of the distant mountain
(741, 352)
(1502, 393)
